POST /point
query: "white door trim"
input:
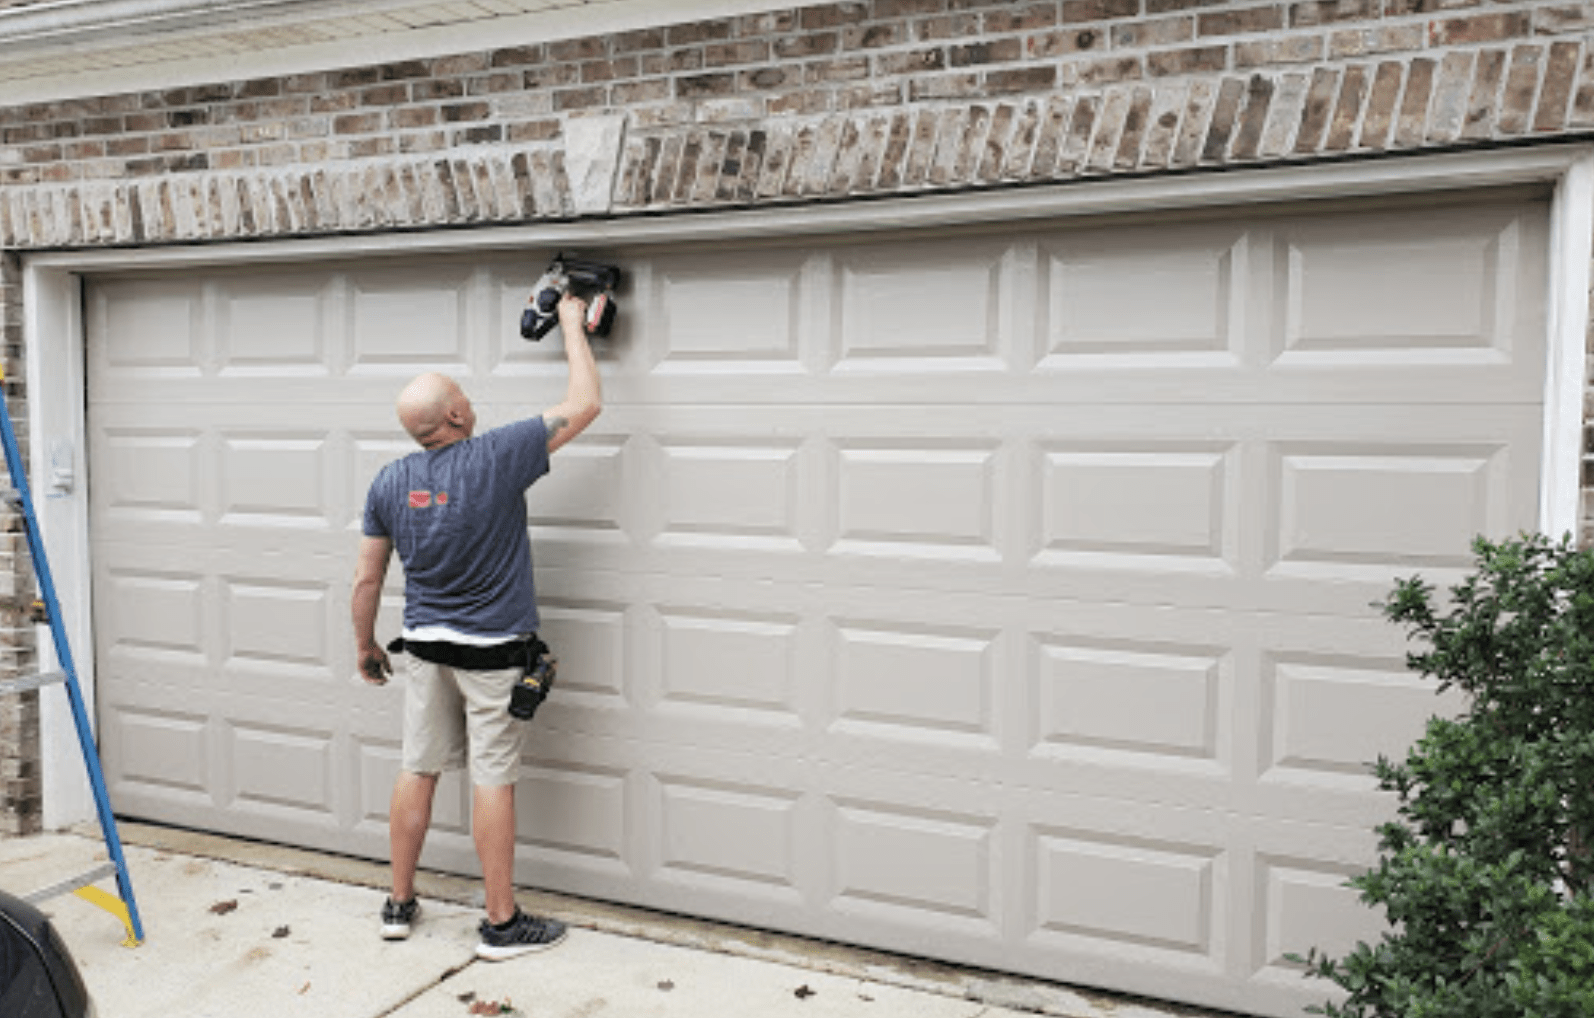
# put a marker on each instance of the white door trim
(54, 338)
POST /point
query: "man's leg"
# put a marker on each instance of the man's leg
(493, 826)
(409, 816)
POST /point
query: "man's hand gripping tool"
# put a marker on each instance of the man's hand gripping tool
(592, 281)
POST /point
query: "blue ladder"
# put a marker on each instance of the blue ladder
(123, 908)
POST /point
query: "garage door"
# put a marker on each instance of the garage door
(992, 595)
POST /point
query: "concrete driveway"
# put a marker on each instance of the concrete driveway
(237, 930)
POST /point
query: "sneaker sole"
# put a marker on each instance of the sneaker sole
(395, 932)
(489, 952)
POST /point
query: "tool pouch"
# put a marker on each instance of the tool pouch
(535, 683)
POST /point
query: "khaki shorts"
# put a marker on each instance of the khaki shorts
(447, 710)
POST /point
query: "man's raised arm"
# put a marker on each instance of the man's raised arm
(584, 394)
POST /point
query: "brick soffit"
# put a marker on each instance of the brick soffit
(611, 166)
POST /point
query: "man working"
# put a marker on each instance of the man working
(456, 513)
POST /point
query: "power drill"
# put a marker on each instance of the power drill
(593, 281)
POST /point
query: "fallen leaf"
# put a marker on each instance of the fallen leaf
(803, 992)
(866, 998)
(223, 907)
(304, 989)
(467, 996)
(279, 932)
(492, 1007)
(666, 985)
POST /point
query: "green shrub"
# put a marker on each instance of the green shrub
(1485, 875)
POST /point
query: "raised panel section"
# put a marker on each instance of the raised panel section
(161, 612)
(900, 308)
(150, 472)
(282, 768)
(715, 494)
(912, 682)
(273, 327)
(277, 626)
(744, 312)
(1429, 285)
(1115, 505)
(274, 479)
(1105, 888)
(1149, 700)
(918, 501)
(1370, 505)
(589, 641)
(572, 810)
(410, 317)
(152, 325)
(729, 663)
(1143, 293)
(165, 749)
(725, 832)
(1303, 904)
(1316, 710)
(894, 860)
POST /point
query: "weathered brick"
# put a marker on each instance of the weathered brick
(1451, 93)
(1582, 115)
(1061, 43)
(1293, 49)
(1381, 105)
(1484, 103)
(1412, 124)
(1521, 89)
(1154, 32)
(1225, 112)
(1081, 128)
(992, 52)
(1326, 12)
(1481, 28)
(1163, 131)
(1103, 70)
(1241, 21)
(1136, 125)
(1191, 60)
(833, 15)
(1317, 110)
(1109, 131)
(951, 26)
(1559, 74)
(1258, 100)
(1025, 18)
(1098, 10)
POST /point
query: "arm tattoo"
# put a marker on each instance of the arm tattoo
(555, 424)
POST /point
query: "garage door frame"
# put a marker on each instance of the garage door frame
(55, 343)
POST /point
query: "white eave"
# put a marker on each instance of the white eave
(62, 49)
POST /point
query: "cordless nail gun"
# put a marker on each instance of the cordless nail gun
(591, 281)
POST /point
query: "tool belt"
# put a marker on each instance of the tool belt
(522, 654)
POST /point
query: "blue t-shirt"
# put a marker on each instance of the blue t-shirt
(457, 518)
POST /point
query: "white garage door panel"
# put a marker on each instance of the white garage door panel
(999, 596)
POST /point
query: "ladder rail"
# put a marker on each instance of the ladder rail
(63, 654)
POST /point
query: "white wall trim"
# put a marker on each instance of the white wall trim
(53, 336)
(1571, 252)
(55, 340)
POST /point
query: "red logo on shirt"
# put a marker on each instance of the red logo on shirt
(442, 498)
(420, 499)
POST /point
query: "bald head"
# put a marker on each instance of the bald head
(435, 411)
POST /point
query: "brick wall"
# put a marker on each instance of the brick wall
(812, 103)
(20, 793)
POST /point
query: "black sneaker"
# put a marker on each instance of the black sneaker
(397, 917)
(522, 934)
